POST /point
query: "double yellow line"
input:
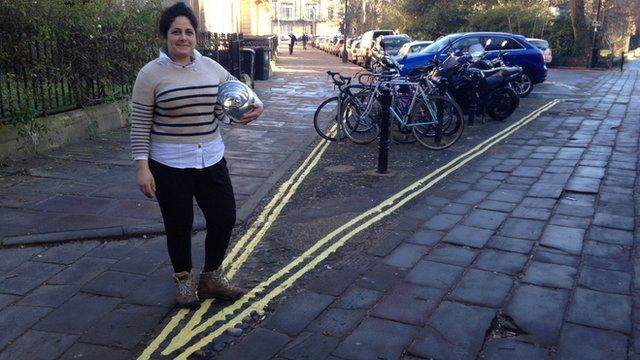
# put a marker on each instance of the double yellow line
(313, 256)
(240, 252)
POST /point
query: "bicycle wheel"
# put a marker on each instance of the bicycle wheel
(361, 124)
(437, 123)
(325, 120)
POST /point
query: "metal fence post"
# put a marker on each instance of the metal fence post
(383, 147)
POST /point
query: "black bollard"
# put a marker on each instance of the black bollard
(383, 147)
(622, 61)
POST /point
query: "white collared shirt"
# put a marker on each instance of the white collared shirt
(184, 156)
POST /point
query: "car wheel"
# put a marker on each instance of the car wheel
(523, 85)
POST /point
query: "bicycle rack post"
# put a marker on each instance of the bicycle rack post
(383, 147)
(339, 119)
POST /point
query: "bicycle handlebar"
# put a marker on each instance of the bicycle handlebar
(340, 80)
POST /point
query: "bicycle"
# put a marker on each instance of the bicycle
(435, 121)
(328, 118)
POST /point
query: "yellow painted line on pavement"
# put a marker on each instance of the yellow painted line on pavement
(263, 222)
(191, 328)
(278, 208)
(379, 212)
(266, 216)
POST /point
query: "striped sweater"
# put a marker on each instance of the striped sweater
(172, 103)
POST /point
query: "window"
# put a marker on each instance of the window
(287, 11)
(467, 44)
(496, 43)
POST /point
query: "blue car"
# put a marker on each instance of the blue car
(518, 52)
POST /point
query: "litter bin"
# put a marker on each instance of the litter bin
(248, 63)
(262, 62)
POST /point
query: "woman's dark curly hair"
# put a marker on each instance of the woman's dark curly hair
(169, 14)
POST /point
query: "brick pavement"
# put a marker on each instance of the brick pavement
(529, 252)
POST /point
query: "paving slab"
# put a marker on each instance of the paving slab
(442, 222)
(605, 280)
(27, 277)
(550, 275)
(293, 316)
(611, 236)
(434, 274)
(485, 219)
(50, 295)
(538, 311)
(614, 221)
(452, 254)
(311, 346)
(565, 239)
(97, 352)
(508, 349)
(82, 271)
(522, 228)
(510, 244)
(125, 326)
(426, 237)
(259, 344)
(482, 288)
(601, 310)
(406, 255)
(371, 340)
(581, 342)
(66, 254)
(85, 310)
(38, 345)
(358, 298)
(113, 284)
(15, 320)
(456, 331)
(409, 304)
(381, 277)
(332, 282)
(551, 256)
(468, 236)
(336, 322)
(509, 263)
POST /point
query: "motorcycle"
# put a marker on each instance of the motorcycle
(522, 84)
(478, 91)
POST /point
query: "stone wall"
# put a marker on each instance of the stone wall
(63, 128)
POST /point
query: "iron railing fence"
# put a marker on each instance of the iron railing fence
(41, 77)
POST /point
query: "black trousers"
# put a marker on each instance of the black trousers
(212, 189)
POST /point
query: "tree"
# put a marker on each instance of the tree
(579, 25)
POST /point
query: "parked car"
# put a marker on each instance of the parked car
(352, 52)
(366, 44)
(543, 45)
(389, 44)
(518, 52)
(414, 47)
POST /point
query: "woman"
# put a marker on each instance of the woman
(178, 150)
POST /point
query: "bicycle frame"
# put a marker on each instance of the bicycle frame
(398, 117)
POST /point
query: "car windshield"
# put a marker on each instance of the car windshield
(439, 44)
(541, 44)
(394, 43)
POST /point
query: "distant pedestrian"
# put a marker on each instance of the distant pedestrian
(305, 38)
(292, 42)
(179, 154)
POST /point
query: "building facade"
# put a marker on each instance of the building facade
(250, 17)
(306, 17)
